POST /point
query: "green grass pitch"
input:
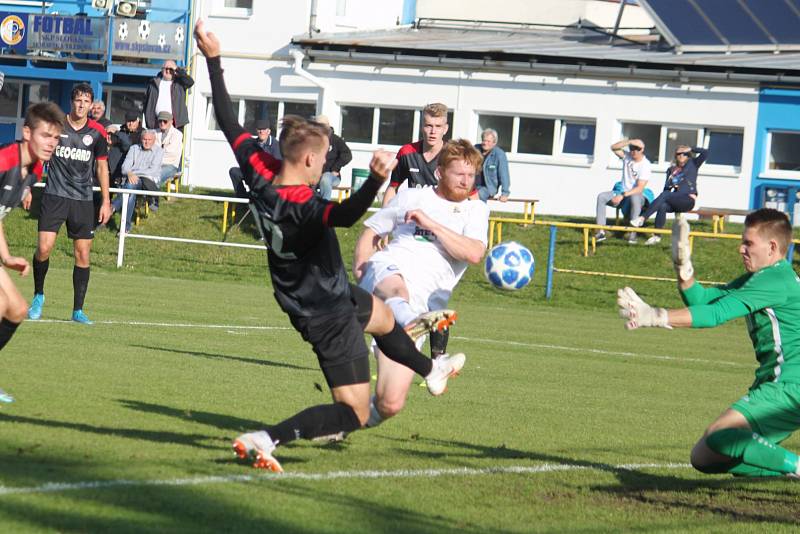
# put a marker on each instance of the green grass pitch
(561, 420)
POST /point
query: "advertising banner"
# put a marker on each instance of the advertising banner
(68, 34)
(13, 32)
(146, 39)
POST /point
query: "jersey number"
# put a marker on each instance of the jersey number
(273, 236)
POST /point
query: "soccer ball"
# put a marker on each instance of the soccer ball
(509, 266)
(144, 30)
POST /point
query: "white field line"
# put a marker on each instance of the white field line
(463, 338)
(58, 487)
(600, 351)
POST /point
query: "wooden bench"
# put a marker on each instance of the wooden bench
(496, 223)
(718, 216)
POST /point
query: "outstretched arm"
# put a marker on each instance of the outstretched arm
(350, 211)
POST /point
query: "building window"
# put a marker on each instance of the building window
(395, 126)
(357, 124)
(724, 148)
(541, 136)
(650, 134)
(384, 126)
(231, 8)
(784, 151)
(239, 4)
(9, 99)
(578, 138)
(120, 101)
(247, 111)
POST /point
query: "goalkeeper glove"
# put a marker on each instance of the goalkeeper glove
(638, 313)
(681, 251)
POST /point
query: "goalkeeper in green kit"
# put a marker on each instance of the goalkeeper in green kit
(743, 440)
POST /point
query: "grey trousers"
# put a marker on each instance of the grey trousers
(604, 199)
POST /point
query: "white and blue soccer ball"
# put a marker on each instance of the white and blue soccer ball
(509, 266)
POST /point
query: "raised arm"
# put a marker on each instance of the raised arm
(351, 210)
(617, 148)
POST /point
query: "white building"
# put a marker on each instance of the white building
(558, 96)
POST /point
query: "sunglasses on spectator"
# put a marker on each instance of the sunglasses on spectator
(168, 69)
(634, 148)
(165, 121)
(687, 154)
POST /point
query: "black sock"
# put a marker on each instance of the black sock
(80, 283)
(7, 330)
(439, 342)
(397, 346)
(39, 272)
(322, 420)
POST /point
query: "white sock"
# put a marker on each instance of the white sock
(401, 309)
(374, 417)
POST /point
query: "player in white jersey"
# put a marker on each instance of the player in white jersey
(436, 232)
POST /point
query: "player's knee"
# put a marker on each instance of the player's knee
(16, 311)
(700, 458)
(390, 405)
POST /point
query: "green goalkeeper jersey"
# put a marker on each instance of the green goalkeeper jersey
(769, 300)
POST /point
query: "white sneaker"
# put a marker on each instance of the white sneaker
(631, 237)
(654, 239)
(432, 321)
(638, 222)
(258, 447)
(600, 236)
(444, 367)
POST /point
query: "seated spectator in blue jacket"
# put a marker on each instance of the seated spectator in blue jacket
(680, 189)
(141, 170)
(494, 174)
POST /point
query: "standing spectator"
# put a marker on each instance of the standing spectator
(495, 168)
(171, 142)
(167, 92)
(99, 113)
(133, 127)
(680, 189)
(266, 142)
(339, 155)
(627, 194)
(82, 153)
(142, 169)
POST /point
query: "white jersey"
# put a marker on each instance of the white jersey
(633, 171)
(416, 253)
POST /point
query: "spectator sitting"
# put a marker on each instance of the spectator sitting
(118, 145)
(495, 168)
(171, 142)
(339, 155)
(133, 127)
(142, 170)
(268, 143)
(629, 193)
(98, 113)
(680, 189)
(167, 92)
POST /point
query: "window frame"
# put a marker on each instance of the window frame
(18, 120)
(764, 170)
(376, 122)
(210, 133)
(218, 9)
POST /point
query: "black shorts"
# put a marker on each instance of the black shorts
(78, 214)
(338, 340)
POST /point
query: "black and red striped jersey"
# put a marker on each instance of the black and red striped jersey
(71, 169)
(13, 186)
(413, 168)
(305, 262)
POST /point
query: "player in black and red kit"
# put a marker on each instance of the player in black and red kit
(82, 153)
(20, 167)
(416, 167)
(308, 275)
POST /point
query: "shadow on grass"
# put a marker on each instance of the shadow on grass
(221, 421)
(240, 359)
(733, 498)
(157, 436)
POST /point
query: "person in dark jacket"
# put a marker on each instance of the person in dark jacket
(266, 142)
(118, 145)
(167, 92)
(339, 155)
(680, 189)
(133, 127)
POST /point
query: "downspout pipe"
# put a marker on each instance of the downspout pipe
(325, 102)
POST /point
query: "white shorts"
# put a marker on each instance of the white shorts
(424, 293)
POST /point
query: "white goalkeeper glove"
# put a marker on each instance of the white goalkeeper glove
(681, 251)
(638, 313)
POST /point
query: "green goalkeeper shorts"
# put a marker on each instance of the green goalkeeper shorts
(772, 409)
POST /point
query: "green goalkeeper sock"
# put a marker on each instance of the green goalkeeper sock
(741, 469)
(753, 450)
